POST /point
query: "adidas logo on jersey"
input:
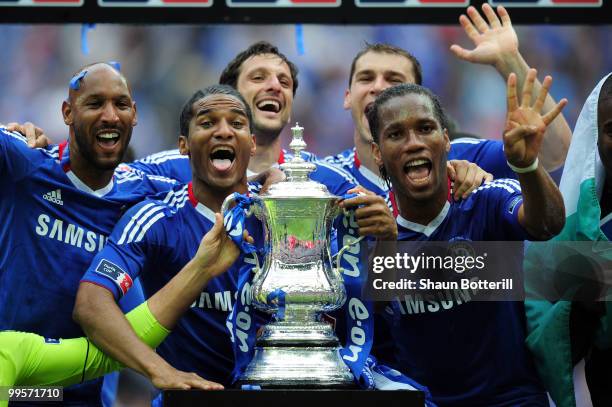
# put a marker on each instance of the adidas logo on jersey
(54, 196)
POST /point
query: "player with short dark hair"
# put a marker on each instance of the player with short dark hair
(231, 72)
(380, 66)
(158, 237)
(466, 352)
(389, 49)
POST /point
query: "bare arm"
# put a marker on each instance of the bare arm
(106, 325)
(542, 213)
(216, 254)
(497, 45)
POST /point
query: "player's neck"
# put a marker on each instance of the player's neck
(91, 176)
(364, 152)
(213, 197)
(266, 155)
(421, 211)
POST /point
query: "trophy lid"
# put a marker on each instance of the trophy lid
(297, 170)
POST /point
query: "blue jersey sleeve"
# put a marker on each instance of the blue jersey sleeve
(170, 164)
(337, 181)
(16, 158)
(344, 159)
(487, 154)
(130, 247)
(501, 199)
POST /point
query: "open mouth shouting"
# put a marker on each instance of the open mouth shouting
(418, 171)
(107, 139)
(269, 105)
(222, 158)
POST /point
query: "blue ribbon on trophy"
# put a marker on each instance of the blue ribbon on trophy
(235, 221)
(241, 321)
(359, 313)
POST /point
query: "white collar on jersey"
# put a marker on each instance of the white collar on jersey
(81, 185)
(205, 211)
(428, 229)
(373, 178)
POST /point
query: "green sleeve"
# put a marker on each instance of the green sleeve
(33, 360)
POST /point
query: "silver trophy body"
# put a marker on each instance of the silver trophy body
(298, 351)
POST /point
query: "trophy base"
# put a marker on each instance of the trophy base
(304, 334)
(301, 355)
(291, 367)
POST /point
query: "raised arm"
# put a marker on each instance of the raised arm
(100, 317)
(215, 255)
(70, 361)
(542, 213)
(496, 44)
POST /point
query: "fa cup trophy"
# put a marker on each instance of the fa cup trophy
(297, 280)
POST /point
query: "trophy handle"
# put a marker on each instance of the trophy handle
(338, 255)
(254, 209)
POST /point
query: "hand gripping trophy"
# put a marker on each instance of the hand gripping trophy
(296, 283)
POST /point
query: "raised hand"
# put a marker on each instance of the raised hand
(525, 123)
(495, 40)
(217, 251)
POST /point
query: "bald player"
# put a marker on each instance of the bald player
(61, 203)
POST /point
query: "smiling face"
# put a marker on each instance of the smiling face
(219, 143)
(374, 72)
(266, 84)
(412, 146)
(101, 115)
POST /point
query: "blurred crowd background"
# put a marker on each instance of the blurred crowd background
(166, 64)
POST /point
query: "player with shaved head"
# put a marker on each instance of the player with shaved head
(62, 202)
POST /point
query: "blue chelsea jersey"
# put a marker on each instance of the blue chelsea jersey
(53, 226)
(173, 165)
(154, 240)
(468, 352)
(487, 154)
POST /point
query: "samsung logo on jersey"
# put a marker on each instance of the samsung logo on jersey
(436, 301)
(68, 233)
(221, 300)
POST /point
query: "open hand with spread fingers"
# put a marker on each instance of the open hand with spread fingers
(494, 38)
(525, 123)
